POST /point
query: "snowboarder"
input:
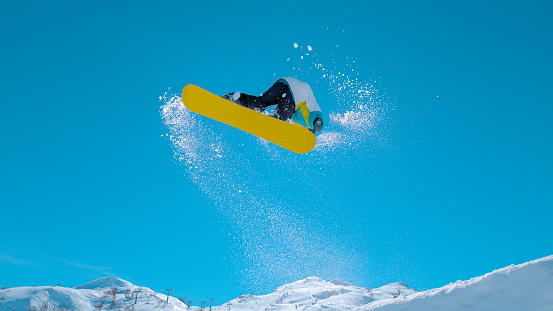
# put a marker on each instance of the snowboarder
(293, 99)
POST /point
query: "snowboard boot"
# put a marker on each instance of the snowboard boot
(234, 97)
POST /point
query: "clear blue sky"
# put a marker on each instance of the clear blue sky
(453, 181)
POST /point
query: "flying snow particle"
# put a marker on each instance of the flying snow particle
(309, 48)
(295, 45)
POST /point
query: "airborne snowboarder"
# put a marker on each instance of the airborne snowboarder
(293, 98)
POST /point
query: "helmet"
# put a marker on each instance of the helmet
(317, 126)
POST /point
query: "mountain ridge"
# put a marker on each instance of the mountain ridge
(525, 286)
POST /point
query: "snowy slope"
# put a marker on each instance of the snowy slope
(528, 286)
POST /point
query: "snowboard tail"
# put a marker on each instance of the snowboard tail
(293, 137)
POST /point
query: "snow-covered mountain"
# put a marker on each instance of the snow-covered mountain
(316, 294)
(528, 286)
(103, 294)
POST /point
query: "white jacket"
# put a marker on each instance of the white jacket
(306, 107)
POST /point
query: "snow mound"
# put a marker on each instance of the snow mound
(107, 283)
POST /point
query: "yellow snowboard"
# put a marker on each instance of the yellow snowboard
(293, 137)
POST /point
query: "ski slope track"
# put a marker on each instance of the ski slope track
(527, 286)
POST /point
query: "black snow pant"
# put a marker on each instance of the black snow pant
(279, 94)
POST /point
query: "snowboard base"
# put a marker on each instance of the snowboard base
(292, 137)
